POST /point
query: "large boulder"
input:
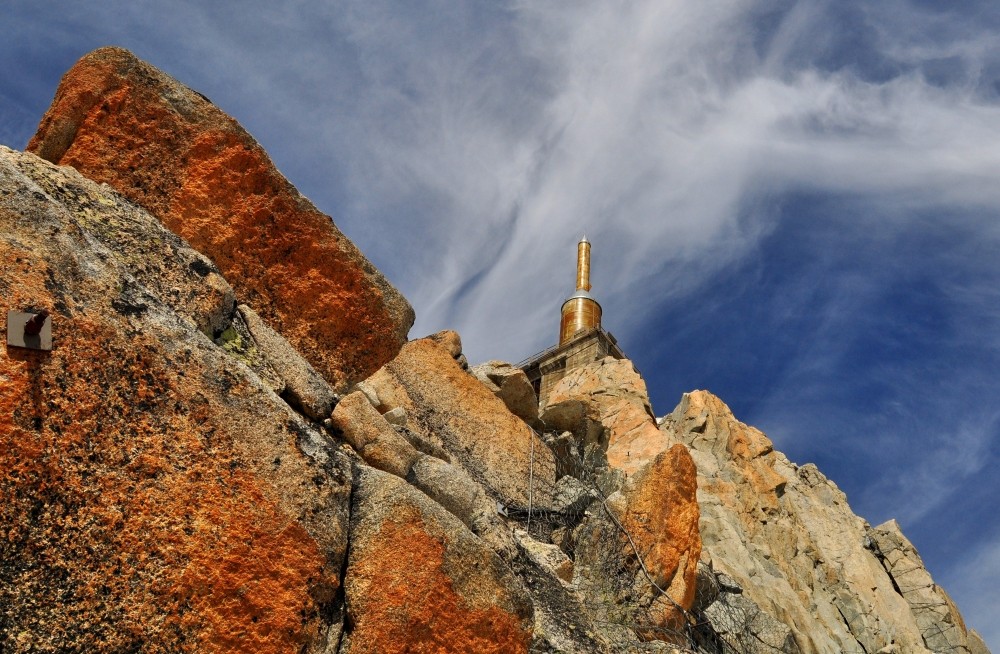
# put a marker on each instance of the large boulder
(156, 495)
(637, 552)
(121, 121)
(449, 408)
(661, 516)
(511, 385)
(418, 581)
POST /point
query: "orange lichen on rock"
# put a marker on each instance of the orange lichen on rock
(413, 606)
(120, 121)
(638, 554)
(661, 515)
(418, 581)
(113, 499)
(154, 494)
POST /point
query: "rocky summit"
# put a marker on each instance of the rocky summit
(232, 447)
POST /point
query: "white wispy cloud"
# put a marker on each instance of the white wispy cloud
(485, 141)
(666, 119)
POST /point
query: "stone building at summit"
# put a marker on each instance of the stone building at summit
(582, 340)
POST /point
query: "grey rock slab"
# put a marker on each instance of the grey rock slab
(305, 387)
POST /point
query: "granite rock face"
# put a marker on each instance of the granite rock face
(640, 548)
(156, 494)
(121, 121)
(651, 562)
(181, 475)
(802, 572)
(511, 385)
(231, 533)
(304, 387)
(937, 617)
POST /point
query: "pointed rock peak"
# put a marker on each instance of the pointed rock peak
(701, 401)
(705, 422)
(120, 121)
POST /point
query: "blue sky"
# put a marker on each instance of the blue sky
(792, 204)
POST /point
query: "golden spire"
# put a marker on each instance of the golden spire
(583, 264)
(580, 313)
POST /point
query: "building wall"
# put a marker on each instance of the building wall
(578, 353)
(546, 372)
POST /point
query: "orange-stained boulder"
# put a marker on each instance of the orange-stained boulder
(121, 121)
(418, 581)
(639, 552)
(661, 515)
(612, 394)
(449, 408)
(155, 494)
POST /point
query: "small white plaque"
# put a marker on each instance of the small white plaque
(17, 338)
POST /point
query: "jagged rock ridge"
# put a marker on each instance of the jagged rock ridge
(177, 486)
(184, 478)
(804, 574)
(164, 496)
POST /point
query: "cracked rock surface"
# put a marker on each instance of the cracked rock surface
(809, 573)
(156, 493)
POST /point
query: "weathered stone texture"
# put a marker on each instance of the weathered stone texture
(937, 617)
(612, 394)
(661, 515)
(511, 385)
(121, 121)
(788, 538)
(372, 436)
(301, 384)
(418, 581)
(451, 409)
(638, 553)
(156, 495)
(976, 643)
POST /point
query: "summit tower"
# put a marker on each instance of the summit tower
(580, 312)
(582, 340)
